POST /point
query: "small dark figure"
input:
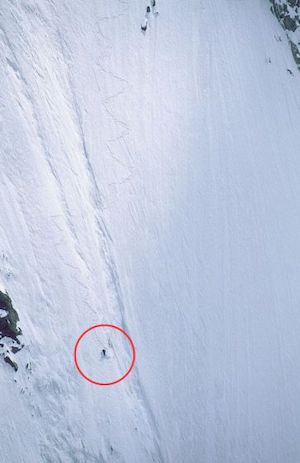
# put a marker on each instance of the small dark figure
(290, 72)
(103, 353)
(144, 27)
(153, 3)
(148, 10)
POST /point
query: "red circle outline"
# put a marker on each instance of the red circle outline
(102, 325)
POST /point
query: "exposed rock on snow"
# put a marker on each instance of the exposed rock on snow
(288, 14)
(9, 330)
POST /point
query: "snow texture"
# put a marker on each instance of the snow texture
(151, 180)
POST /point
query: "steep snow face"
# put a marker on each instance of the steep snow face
(150, 179)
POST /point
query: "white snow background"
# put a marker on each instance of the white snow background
(151, 181)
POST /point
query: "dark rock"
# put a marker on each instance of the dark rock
(296, 53)
(15, 349)
(289, 23)
(13, 364)
(9, 330)
(289, 20)
(294, 3)
(8, 323)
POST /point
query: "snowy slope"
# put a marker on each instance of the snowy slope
(151, 181)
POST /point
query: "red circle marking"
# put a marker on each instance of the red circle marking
(104, 325)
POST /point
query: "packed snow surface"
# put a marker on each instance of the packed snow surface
(150, 179)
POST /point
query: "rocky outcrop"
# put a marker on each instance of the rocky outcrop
(10, 332)
(288, 14)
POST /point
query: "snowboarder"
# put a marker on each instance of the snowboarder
(148, 10)
(103, 353)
